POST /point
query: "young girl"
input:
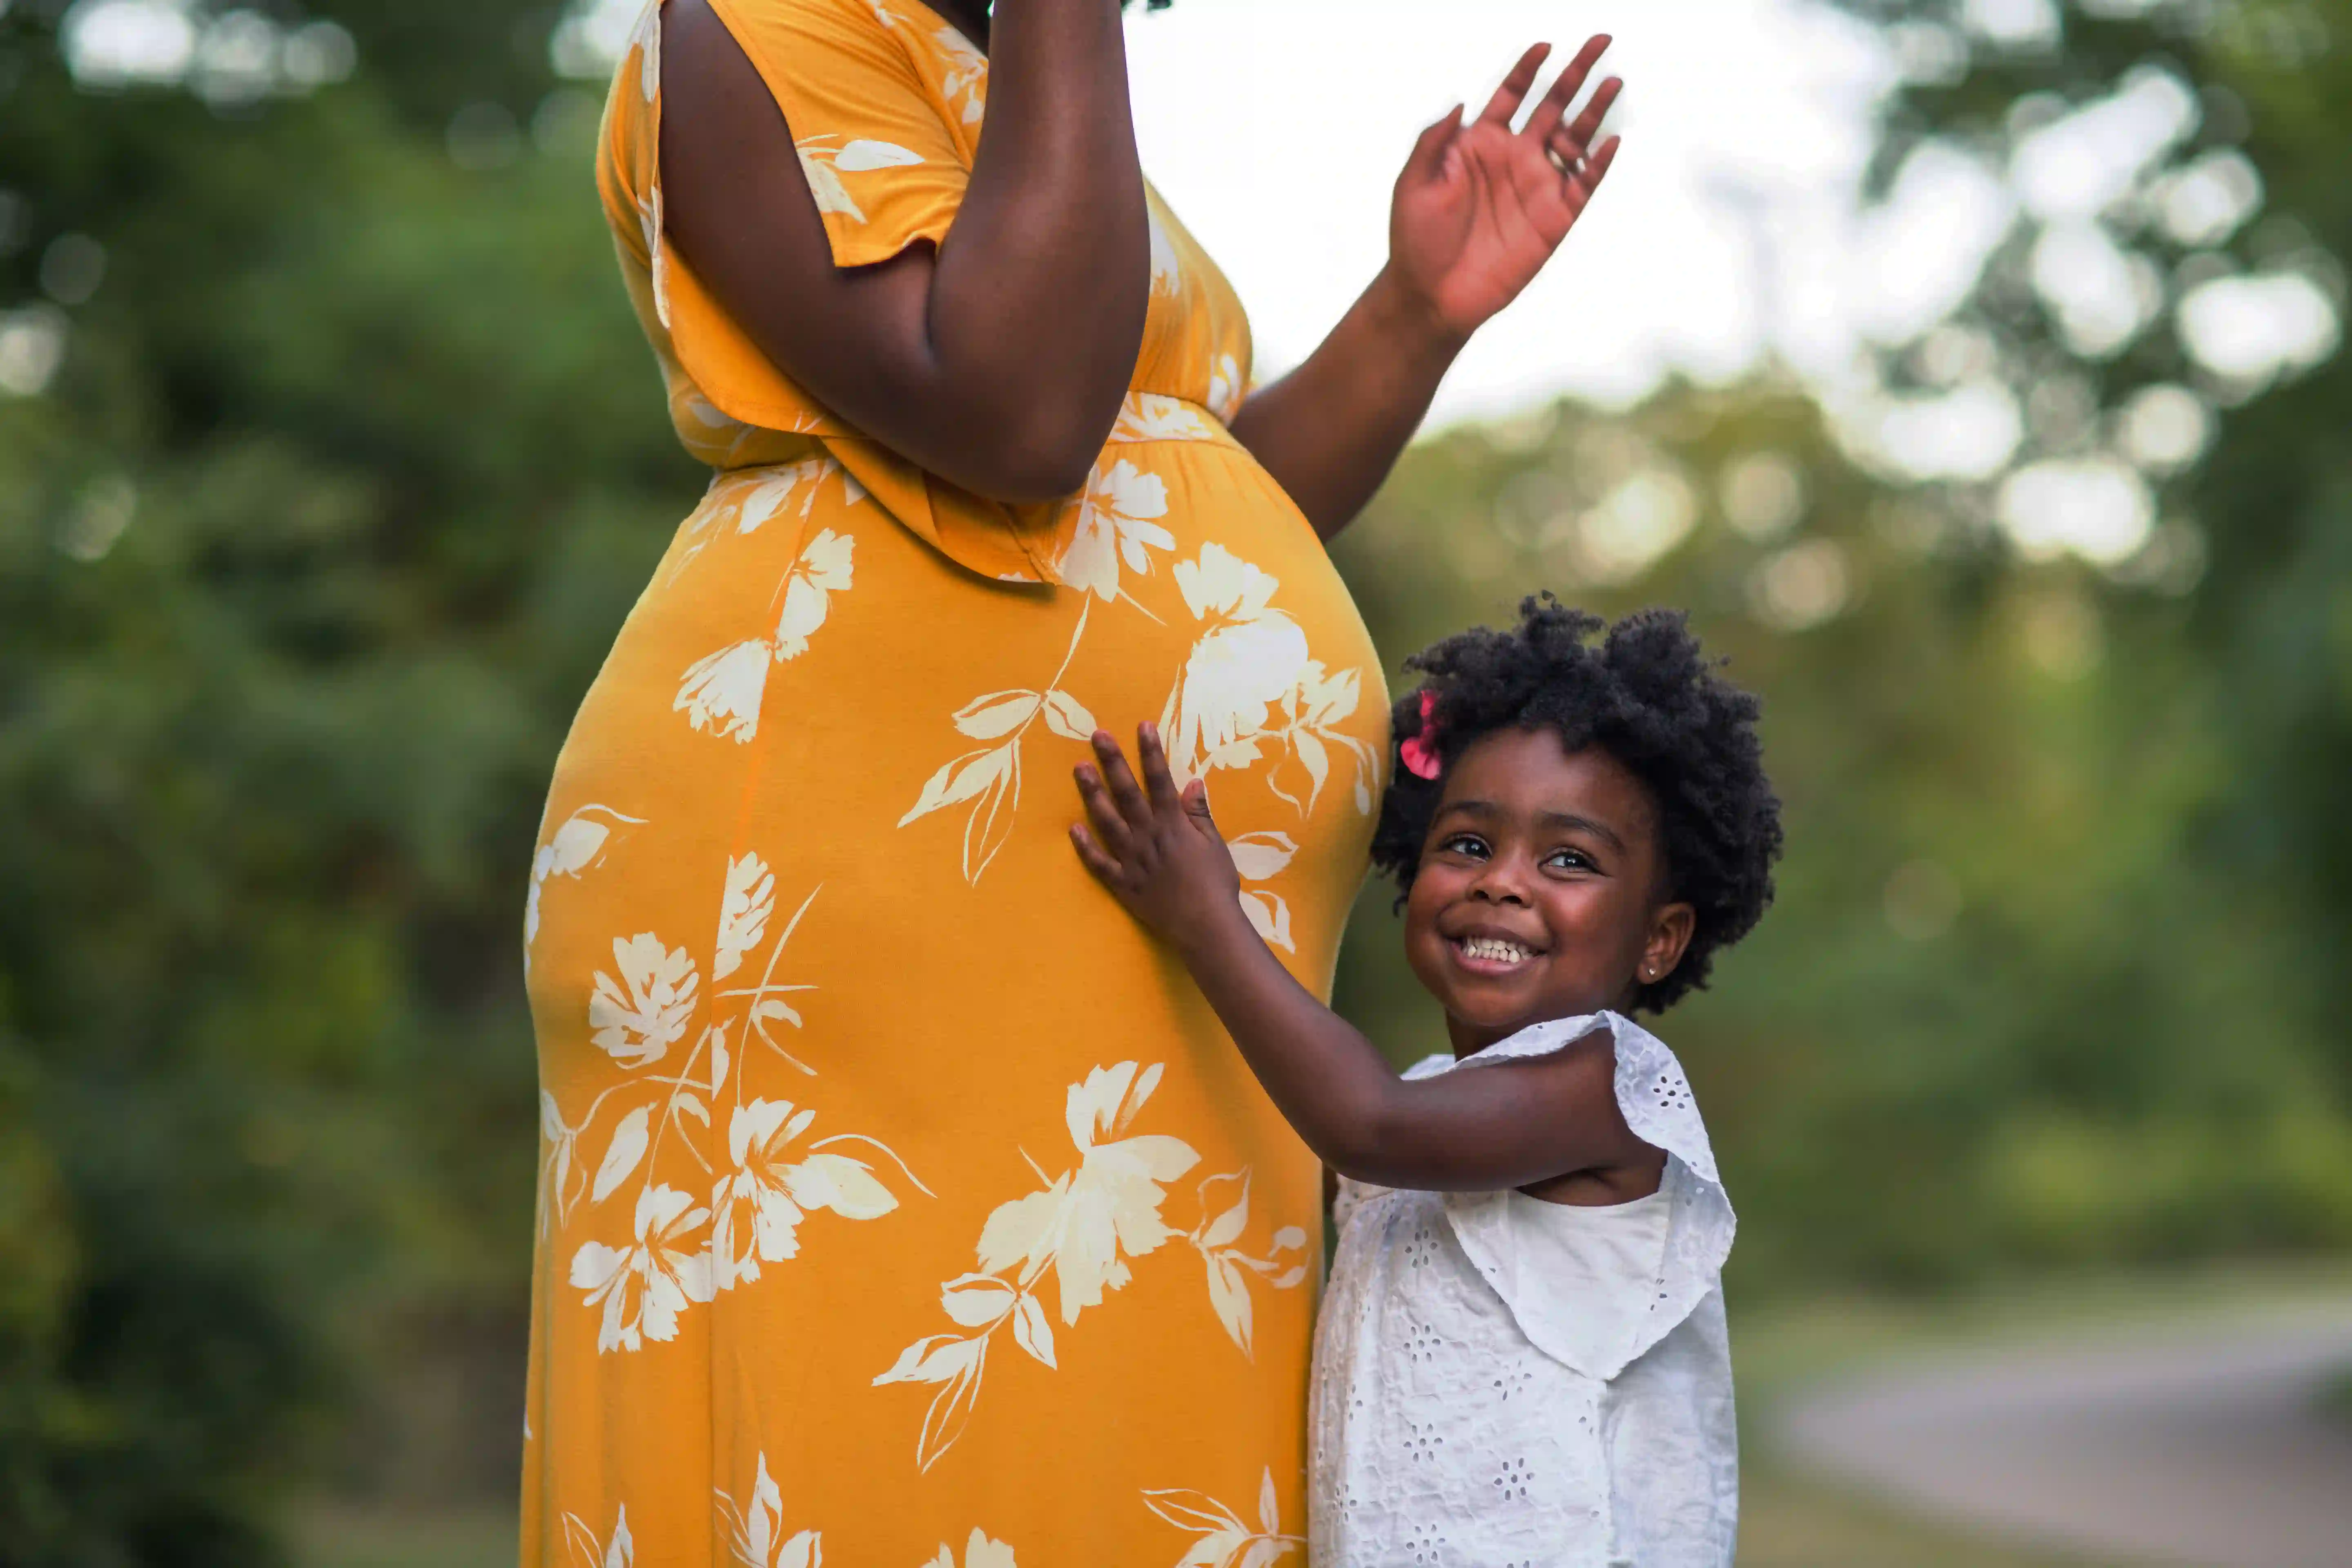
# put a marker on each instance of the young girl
(1522, 1357)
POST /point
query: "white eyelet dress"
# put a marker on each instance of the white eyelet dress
(1505, 1383)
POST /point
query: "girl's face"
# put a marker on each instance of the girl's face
(1541, 889)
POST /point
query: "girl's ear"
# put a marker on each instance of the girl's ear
(1670, 935)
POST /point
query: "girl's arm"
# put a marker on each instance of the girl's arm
(1478, 211)
(998, 362)
(1509, 1125)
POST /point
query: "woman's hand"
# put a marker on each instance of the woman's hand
(1155, 846)
(1481, 207)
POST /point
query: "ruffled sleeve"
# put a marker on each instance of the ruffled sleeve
(1655, 1099)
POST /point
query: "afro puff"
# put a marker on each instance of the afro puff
(1648, 697)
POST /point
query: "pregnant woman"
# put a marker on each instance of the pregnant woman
(900, 1203)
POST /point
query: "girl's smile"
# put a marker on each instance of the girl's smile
(1542, 892)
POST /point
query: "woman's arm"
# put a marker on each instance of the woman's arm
(998, 362)
(1478, 210)
(1509, 1125)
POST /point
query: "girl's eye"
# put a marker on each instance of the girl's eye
(1468, 844)
(1571, 861)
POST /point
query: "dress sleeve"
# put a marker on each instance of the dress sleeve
(883, 105)
(884, 101)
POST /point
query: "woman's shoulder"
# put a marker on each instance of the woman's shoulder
(891, 72)
(857, 26)
(874, 28)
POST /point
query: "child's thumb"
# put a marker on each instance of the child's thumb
(1428, 155)
(1196, 806)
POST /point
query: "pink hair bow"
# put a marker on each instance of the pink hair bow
(1419, 752)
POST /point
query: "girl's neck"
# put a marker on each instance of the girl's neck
(1469, 1039)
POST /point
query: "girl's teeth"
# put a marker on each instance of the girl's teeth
(1495, 949)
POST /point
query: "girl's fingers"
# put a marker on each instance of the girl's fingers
(1580, 134)
(1110, 827)
(1091, 854)
(1157, 781)
(1196, 806)
(1587, 180)
(1121, 781)
(1554, 107)
(1428, 156)
(1504, 106)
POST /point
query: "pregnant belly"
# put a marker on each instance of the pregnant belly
(799, 659)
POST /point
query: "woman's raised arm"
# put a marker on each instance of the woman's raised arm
(997, 362)
(1479, 209)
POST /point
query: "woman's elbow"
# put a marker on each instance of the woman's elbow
(1040, 472)
(1016, 462)
(1047, 454)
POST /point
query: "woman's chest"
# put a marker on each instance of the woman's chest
(1196, 336)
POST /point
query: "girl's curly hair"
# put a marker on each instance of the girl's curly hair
(1647, 696)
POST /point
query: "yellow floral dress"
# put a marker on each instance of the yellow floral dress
(901, 1203)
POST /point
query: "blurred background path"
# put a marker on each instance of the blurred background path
(2211, 1444)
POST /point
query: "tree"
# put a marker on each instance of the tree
(330, 458)
(2189, 153)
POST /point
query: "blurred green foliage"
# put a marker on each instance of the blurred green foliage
(353, 461)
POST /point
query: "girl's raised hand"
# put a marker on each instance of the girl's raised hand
(1481, 207)
(1155, 846)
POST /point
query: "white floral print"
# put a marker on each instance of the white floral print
(755, 1531)
(823, 570)
(1217, 1239)
(1226, 388)
(744, 911)
(570, 850)
(761, 1204)
(1223, 1540)
(1084, 1224)
(1260, 857)
(1117, 521)
(979, 1551)
(636, 1020)
(1148, 417)
(744, 501)
(1081, 1227)
(965, 83)
(824, 167)
(587, 1552)
(1249, 655)
(1167, 267)
(772, 1181)
(1307, 730)
(646, 1286)
(990, 776)
(722, 692)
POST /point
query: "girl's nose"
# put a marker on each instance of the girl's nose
(1500, 884)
